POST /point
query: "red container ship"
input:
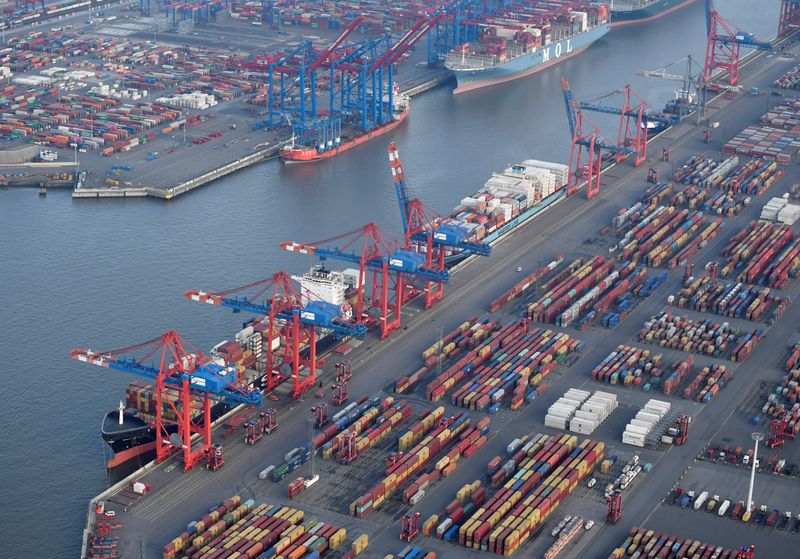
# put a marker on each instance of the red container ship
(295, 153)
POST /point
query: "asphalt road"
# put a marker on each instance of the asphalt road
(179, 498)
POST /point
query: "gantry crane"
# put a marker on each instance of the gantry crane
(460, 23)
(194, 378)
(381, 263)
(296, 74)
(789, 20)
(279, 301)
(747, 552)
(724, 42)
(635, 115)
(427, 233)
(586, 136)
(780, 429)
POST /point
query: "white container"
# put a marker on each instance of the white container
(642, 424)
(633, 439)
(637, 429)
(723, 508)
(264, 474)
(701, 499)
(444, 526)
(648, 416)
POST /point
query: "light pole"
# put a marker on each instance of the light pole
(757, 437)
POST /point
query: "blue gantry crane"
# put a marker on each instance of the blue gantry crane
(459, 23)
(724, 42)
(429, 234)
(383, 267)
(292, 81)
(288, 321)
(186, 382)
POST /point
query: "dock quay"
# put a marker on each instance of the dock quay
(573, 226)
(172, 192)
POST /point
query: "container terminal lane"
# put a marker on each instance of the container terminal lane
(177, 498)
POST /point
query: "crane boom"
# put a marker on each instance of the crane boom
(335, 44)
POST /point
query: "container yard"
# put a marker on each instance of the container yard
(774, 137)
(642, 540)
(448, 462)
(241, 529)
(733, 300)
(102, 99)
(524, 492)
(489, 366)
(763, 253)
(702, 337)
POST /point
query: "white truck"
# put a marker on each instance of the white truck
(48, 155)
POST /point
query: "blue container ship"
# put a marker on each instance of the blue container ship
(630, 12)
(533, 40)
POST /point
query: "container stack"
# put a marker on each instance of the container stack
(571, 291)
(503, 368)
(193, 100)
(707, 383)
(789, 214)
(242, 530)
(563, 410)
(528, 488)
(770, 210)
(639, 427)
(526, 283)
(766, 253)
(785, 398)
(666, 546)
(411, 552)
(733, 300)
(775, 137)
(509, 194)
(700, 336)
(399, 472)
(593, 412)
(465, 336)
(356, 418)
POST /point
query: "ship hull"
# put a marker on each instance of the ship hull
(308, 155)
(528, 64)
(508, 228)
(654, 11)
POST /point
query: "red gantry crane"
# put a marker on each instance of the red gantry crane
(287, 320)
(427, 233)
(382, 271)
(186, 383)
(724, 42)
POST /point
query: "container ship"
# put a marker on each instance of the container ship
(323, 149)
(129, 431)
(629, 12)
(506, 201)
(508, 49)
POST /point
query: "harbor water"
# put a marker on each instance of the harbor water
(110, 273)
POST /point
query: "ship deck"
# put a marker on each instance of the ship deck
(178, 498)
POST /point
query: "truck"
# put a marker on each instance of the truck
(723, 508)
(786, 520)
(700, 500)
(712, 503)
(686, 500)
(772, 519)
(762, 514)
(737, 511)
(48, 155)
